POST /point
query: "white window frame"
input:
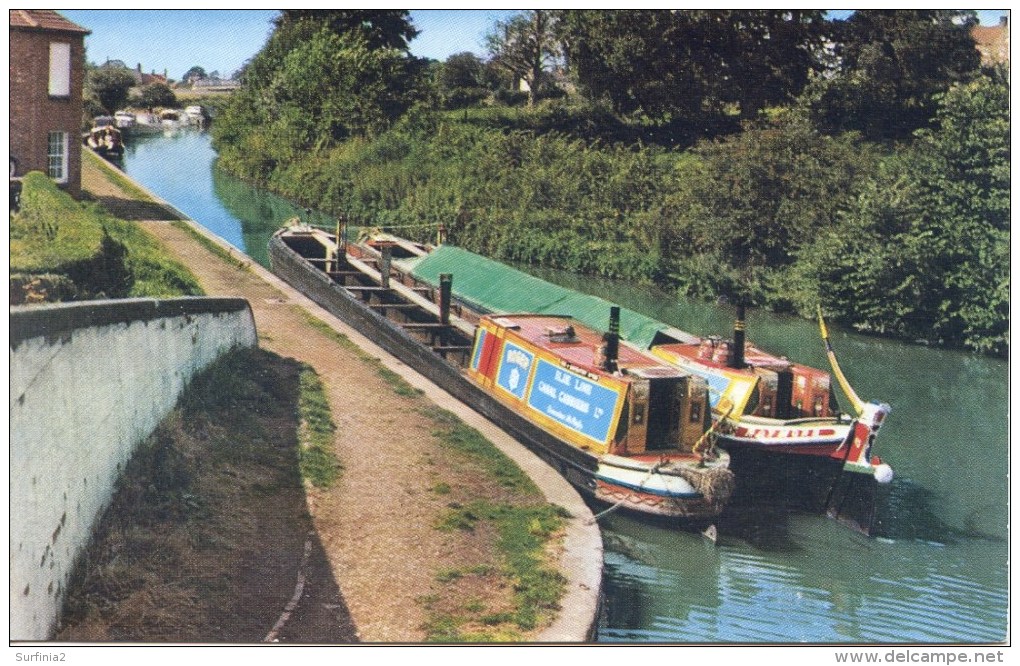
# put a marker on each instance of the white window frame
(58, 155)
(60, 69)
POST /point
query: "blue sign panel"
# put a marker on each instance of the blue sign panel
(573, 401)
(717, 384)
(479, 344)
(513, 369)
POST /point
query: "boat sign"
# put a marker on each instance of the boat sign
(513, 369)
(573, 401)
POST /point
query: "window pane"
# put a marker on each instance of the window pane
(60, 69)
(56, 156)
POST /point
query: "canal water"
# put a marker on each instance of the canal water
(937, 570)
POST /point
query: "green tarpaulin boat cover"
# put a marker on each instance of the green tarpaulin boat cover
(490, 286)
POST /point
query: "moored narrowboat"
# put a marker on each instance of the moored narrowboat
(644, 424)
(772, 405)
(105, 140)
(618, 424)
(764, 404)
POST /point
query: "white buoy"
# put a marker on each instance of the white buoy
(883, 473)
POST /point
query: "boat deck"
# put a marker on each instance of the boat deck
(577, 344)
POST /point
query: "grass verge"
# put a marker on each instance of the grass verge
(91, 253)
(114, 176)
(525, 529)
(398, 383)
(524, 532)
(319, 465)
(210, 245)
(496, 503)
(209, 514)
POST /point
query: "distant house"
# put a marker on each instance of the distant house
(140, 77)
(47, 70)
(147, 79)
(992, 41)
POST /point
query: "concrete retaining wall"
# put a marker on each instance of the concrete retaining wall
(89, 382)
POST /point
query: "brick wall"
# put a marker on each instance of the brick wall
(34, 114)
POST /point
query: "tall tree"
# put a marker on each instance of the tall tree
(692, 64)
(322, 77)
(526, 46)
(890, 66)
(381, 28)
(156, 95)
(924, 251)
(757, 58)
(461, 80)
(110, 86)
(194, 72)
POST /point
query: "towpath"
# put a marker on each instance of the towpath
(377, 525)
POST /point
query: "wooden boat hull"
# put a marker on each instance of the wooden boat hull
(665, 493)
(599, 477)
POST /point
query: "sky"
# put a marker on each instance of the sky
(174, 40)
(222, 40)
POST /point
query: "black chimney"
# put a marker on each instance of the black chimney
(737, 353)
(612, 339)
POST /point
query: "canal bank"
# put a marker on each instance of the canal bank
(378, 529)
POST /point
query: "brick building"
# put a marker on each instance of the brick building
(993, 42)
(47, 75)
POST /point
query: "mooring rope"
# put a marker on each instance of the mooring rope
(653, 470)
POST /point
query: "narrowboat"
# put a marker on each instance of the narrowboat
(106, 141)
(764, 403)
(643, 423)
(769, 404)
(617, 423)
(124, 119)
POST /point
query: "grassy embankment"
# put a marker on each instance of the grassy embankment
(187, 529)
(248, 438)
(65, 250)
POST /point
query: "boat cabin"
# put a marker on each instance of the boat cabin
(563, 376)
(767, 386)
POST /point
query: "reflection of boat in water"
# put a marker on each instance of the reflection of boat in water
(616, 422)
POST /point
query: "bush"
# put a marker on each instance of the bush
(41, 289)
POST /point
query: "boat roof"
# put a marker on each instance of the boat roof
(753, 357)
(490, 286)
(575, 343)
